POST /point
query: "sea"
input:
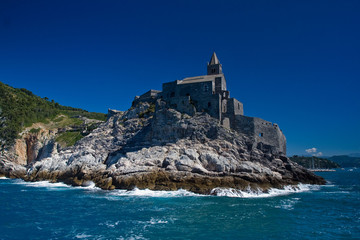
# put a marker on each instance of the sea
(43, 210)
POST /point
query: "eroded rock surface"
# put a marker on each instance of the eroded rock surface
(164, 149)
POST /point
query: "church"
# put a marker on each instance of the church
(208, 93)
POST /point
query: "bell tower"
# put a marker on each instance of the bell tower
(214, 66)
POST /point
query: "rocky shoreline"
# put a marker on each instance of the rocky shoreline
(161, 180)
(155, 147)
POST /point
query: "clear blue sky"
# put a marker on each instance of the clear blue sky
(296, 63)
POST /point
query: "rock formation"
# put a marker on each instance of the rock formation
(154, 146)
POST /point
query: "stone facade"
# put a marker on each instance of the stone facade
(209, 94)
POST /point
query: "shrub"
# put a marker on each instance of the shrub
(35, 130)
(20, 108)
(68, 139)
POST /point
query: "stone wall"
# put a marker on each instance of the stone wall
(269, 134)
(183, 105)
(220, 84)
(234, 107)
(200, 95)
(261, 131)
(150, 93)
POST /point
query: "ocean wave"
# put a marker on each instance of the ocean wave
(337, 192)
(83, 235)
(272, 192)
(157, 221)
(56, 186)
(329, 184)
(45, 184)
(4, 178)
(288, 204)
(220, 192)
(90, 185)
(110, 224)
(153, 193)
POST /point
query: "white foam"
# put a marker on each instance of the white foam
(273, 192)
(57, 186)
(4, 178)
(110, 224)
(82, 235)
(221, 192)
(288, 204)
(45, 184)
(152, 193)
(157, 221)
(90, 185)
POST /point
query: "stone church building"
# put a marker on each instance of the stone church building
(209, 94)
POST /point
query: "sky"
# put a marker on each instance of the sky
(295, 63)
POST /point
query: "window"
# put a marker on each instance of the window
(172, 94)
(206, 88)
(238, 105)
(188, 94)
(261, 134)
(209, 104)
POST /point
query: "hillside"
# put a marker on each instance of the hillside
(20, 109)
(346, 161)
(318, 162)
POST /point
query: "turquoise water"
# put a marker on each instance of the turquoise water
(55, 211)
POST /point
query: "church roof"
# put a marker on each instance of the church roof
(197, 79)
(214, 60)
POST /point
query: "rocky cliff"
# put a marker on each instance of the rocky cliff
(156, 147)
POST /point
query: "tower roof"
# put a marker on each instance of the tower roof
(214, 60)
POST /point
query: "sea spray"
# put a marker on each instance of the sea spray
(259, 193)
(219, 192)
(45, 184)
(151, 193)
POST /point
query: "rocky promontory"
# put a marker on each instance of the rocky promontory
(157, 147)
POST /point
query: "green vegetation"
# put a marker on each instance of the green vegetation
(68, 139)
(58, 119)
(64, 120)
(151, 108)
(148, 111)
(20, 108)
(141, 115)
(318, 162)
(34, 130)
